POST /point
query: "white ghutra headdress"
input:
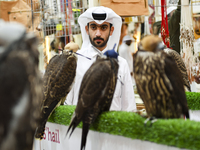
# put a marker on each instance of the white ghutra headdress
(99, 15)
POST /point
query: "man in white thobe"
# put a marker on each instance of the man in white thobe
(100, 28)
(125, 51)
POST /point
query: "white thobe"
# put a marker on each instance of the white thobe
(123, 99)
(125, 52)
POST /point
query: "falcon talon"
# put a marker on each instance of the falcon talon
(151, 119)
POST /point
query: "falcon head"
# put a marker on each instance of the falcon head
(10, 32)
(70, 54)
(72, 46)
(14, 34)
(151, 43)
(111, 53)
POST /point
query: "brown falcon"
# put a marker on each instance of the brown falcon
(181, 66)
(20, 88)
(159, 81)
(96, 93)
(57, 83)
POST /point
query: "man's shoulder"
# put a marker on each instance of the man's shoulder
(82, 50)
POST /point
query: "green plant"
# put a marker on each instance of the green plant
(175, 132)
(193, 100)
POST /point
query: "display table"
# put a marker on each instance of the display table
(56, 140)
(118, 130)
(134, 136)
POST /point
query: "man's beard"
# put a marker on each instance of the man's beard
(98, 45)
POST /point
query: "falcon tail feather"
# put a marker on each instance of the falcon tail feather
(85, 130)
(74, 123)
(187, 115)
(46, 113)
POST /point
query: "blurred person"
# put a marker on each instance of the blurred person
(125, 51)
(124, 31)
(174, 18)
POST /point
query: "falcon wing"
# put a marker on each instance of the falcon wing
(48, 73)
(176, 79)
(94, 83)
(59, 76)
(181, 66)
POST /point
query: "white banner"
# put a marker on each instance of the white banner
(55, 139)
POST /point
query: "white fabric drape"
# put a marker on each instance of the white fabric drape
(187, 38)
(146, 26)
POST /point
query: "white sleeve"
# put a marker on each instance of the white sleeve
(123, 52)
(127, 95)
(70, 97)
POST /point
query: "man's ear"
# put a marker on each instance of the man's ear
(86, 29)
(111, 30)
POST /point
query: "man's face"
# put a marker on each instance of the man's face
(99, 34)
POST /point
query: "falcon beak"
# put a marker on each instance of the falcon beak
(161, 46)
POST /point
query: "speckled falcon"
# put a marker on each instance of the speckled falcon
(20, 88)
(96, 93)
(58, 81)
(159, 81)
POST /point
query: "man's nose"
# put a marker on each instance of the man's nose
(98, 33)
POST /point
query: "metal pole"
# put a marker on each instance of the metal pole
(32, 15)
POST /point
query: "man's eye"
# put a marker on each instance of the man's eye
(104, 27)
(93, 27)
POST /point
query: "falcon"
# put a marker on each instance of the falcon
(20, 88)
(57, 83)
(96, 93)
(181, 66)
(159, 81)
